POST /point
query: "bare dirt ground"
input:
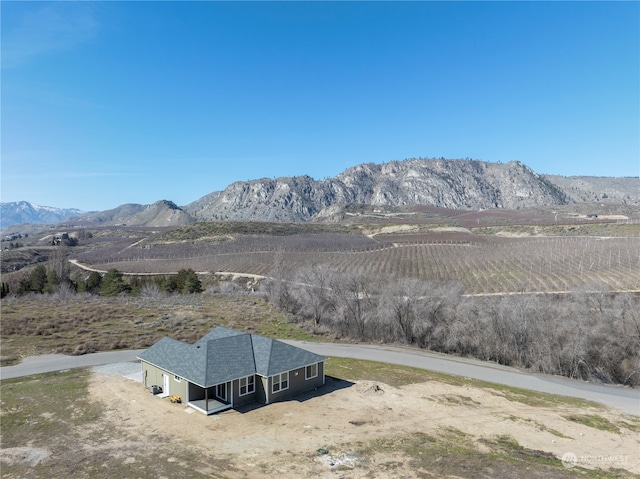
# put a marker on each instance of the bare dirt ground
(283, 439)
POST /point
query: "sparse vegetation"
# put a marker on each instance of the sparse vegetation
(80, 324)
(53, 428)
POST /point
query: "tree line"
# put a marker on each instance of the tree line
(591, 334)
(48, 280)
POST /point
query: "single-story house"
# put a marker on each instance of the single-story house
(228, 368)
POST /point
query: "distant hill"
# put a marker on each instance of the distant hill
(160, 213)
(21, 212)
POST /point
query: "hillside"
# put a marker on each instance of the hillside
(458, 184)
(160, 213)
(597, 188)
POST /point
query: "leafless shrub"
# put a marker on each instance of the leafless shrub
(591, 334)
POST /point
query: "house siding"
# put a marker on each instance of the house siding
(152, 375)
(297, 383)
(248, 398)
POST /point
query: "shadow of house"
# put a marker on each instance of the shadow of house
(331, 384)
(230, 369)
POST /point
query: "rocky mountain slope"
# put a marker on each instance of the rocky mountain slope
(597, 188)
(465, 184)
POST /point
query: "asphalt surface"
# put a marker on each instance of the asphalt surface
(618, 397)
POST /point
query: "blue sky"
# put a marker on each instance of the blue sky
(106, 103)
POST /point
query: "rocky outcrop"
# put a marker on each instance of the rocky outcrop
(466, 184)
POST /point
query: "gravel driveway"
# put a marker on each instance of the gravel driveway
(129, 370)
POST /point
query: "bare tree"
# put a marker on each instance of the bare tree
(400, 304)
(311, 289)
(355, 298)
(434, 312)
(278, 285)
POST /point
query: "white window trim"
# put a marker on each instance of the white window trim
(253, 385)
(305, 371)
(279, 382)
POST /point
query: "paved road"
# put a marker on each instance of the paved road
(624, 399)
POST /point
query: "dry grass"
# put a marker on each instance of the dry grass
(85, 324)
(58, 434)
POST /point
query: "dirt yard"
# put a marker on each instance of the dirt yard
(361, 429)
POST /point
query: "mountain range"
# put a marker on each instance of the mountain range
(458, 184)
(22, 212)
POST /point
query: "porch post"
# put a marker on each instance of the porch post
(206, 399)
(266, 395)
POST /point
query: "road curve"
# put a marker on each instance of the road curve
(618, 397)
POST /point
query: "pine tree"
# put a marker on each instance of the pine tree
(113, 284)
(93, 282)
(52, 281)
(38, 279)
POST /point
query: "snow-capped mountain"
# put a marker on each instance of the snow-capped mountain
(22, 212)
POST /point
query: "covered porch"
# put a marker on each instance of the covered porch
(210, 406)
(212, 399)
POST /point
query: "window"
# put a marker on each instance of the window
(280, 382)
(247, 385)
(221, 391)
(177, 378)
(311, 371)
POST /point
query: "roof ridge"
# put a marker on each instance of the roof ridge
(270, 355)
(206, 362)
(253, 351)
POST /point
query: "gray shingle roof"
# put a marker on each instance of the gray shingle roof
(225, 354)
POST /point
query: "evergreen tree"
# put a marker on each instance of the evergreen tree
(113, 284)
(192, 284)
(170, 284)
(188, 282)
(24, 286)
(38, 279)
(5, 290)
(137, 283)
(93, 282)
(52, 281)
